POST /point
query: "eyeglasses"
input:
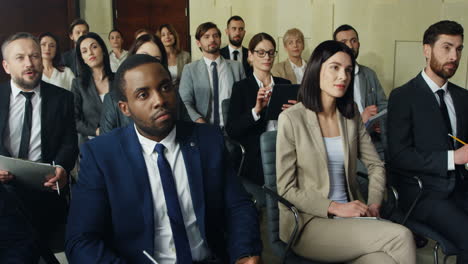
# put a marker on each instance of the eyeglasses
(262, 53)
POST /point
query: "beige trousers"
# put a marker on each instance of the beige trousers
(357, 241)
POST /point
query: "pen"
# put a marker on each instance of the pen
(56, 183)
(149, 257)
(457, 139)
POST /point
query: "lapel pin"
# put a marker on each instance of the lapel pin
(192, 144)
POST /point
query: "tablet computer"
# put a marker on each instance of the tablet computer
(280, 96)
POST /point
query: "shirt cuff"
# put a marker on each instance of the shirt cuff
(254, 115)
(450, 161)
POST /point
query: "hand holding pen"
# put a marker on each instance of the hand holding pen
(58, 180)
(460, 155)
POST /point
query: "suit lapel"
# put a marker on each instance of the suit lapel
(133, 152)
(192, 159)
(230, 74)
(5, 91)
(459, 113)
(47, 116)
(363, 88)
(204, 90)
(316, 134)
(342, 123)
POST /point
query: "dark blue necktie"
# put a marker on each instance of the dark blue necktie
(183, 253)
(215, 94)
(27, 124)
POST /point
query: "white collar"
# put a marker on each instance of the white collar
(294, 66)
(260, 84)
(15, 90)
(356, 68)
(148, 144)
(208, 61)
(434, 87)
(231, 49)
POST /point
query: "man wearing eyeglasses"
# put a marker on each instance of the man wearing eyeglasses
(205, 83)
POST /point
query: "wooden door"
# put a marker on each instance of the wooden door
(131, 15)
(37, 17)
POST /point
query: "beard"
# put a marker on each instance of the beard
(212, 50)
(27, 84)
(161, 129)
(438, 68)
(235, 43)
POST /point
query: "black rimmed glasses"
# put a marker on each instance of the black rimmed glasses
(263, 53)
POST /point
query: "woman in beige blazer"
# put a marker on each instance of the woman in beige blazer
(319, 141)
(176, 57)
(294, 66)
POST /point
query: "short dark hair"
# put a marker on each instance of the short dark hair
(77, 22)
(149, 38)
(259, 37)
(115, 30)
(16, 36)
(84, 72)
(344, 27)
(309, 91)
(235, 18)
(203, 28)
(57, 60)
(445, 27)
(131, 62)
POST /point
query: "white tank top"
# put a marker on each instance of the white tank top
(336, 169)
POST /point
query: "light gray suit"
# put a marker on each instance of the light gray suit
(195, 88)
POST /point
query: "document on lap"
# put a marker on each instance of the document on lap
(29, 173)
(362, 218)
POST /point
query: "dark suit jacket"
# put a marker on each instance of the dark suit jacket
(245, 54)
(112, 117)
(88, 107)
(58, 132)
(111, 216)
(242, 127)
(69, 60)
(418, 140)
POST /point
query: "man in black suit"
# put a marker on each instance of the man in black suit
(235, 51)
(77, 28)
(421, 114)
(37, 124)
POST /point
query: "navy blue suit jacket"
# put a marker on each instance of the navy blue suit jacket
(111, 215)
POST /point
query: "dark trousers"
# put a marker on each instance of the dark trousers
(448, 216)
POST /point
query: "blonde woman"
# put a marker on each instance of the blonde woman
(294, 66)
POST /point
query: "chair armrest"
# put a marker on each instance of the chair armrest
(416, 200)
(242, 148)
(295, 212)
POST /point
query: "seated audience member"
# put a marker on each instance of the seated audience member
(249, 102)
(368, 93)
(142, 31)
(36, 124)
(77, 28)
(111, 116)
(117, 55)
(421, 115)
(319, 141)
(159, 185)
(176, 58)
(54, 72)
(292, 68)
(93, 83)
(205, 83)
(235, 31)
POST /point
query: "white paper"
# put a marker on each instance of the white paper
(376, 118)
(29, 173)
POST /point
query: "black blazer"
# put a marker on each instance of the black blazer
(418, 140)
(69, 60)
(242, 127)
(88, 107)
(245, 54)
(58, 132)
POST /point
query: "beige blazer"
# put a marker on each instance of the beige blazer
(304, 179)
(284, 70)
(182, 58)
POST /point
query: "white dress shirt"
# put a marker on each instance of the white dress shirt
(224, 88)
(357, 90)
(164, 251)
(61, 79)
(272, 125)
(114, 61)
(15, 123)
(298, 71)
(231, 53)
(450, 108)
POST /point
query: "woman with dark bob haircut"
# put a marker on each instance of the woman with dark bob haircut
(93, 83)
(111, 116)
(318, 143)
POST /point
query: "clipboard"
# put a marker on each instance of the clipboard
(376, 118)
(28, 173)
(280, 96)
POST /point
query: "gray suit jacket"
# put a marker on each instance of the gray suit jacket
(195, 88)
(373, 94)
